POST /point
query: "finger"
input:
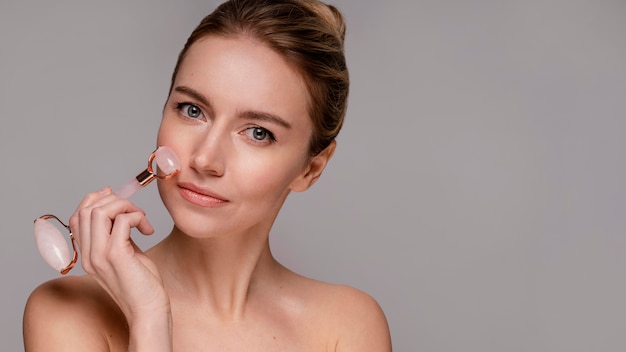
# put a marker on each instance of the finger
(97, 231)
(94, 225)
(94, 222)
(82, 234)
(86, 201)
(95, 196)
(120, 234)
(91, 198)
(104, 217)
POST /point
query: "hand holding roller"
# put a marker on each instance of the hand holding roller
(52, 244)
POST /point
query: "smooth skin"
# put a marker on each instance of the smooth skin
(238, 121)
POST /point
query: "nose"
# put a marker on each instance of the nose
(208, 156)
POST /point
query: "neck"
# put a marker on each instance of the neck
(218, 274)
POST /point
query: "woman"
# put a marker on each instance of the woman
(258, 96)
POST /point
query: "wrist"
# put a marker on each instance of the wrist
(151, 332)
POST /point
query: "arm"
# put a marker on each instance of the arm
(102, 225)
(151, 334)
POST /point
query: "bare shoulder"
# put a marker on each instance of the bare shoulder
(361, 322)
(357, 321)
(70, 313)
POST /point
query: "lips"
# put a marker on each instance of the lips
(201, 196)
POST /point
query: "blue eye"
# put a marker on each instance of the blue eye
(189, 110)
(260, 134)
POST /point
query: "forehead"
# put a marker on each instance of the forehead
(243, 72)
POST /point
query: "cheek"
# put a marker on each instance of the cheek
(164, 138)
(169, 136)
(268, 177)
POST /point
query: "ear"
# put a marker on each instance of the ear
(313, 169)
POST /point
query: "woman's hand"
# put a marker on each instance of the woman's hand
(102, 225)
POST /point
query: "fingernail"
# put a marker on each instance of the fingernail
(104, 190)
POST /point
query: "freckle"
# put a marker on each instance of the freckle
(274, 337)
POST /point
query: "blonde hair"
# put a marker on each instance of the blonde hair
(309, 35)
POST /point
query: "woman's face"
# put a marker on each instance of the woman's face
(237, 118)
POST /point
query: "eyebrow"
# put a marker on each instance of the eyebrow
(263, 116)
(248, 114)
(194, 94)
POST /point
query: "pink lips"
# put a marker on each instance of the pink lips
(199, 196)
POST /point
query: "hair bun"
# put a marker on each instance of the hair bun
(329, 14)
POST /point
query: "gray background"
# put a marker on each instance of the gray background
(477, 191)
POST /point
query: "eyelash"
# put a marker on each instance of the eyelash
(270, 136)
(181, 106)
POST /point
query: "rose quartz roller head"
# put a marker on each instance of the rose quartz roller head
(52, 244)
(167, 162)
